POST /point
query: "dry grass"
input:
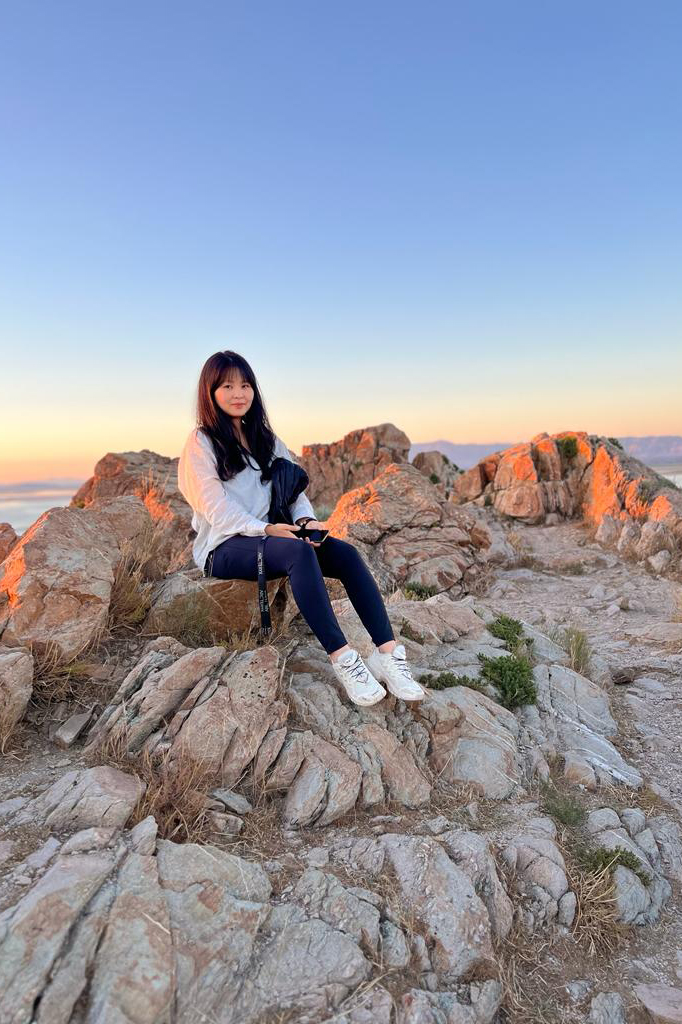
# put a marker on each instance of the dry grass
(529, 996)
(58, 678)
(523, 557)
(176, 788)
(595, 926)
(134, 575)
(577, 646)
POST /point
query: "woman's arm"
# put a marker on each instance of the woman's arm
(202, 488)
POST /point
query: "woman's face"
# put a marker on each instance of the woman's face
(234, 396)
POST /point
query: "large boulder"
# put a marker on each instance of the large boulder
(351, 462)
(56, 583)
(409, 533)
(153, 479)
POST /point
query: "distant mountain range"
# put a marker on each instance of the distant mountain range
(665, 450)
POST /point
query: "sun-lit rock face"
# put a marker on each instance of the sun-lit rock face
(575, 474)
(55, 585)
(153, 479)
(409, 533)
(354, 460)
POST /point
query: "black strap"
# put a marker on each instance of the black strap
(263, 604)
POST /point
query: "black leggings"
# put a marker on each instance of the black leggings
(305, 565)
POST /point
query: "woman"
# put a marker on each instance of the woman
(224, 475)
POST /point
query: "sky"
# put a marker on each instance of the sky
(464, 218)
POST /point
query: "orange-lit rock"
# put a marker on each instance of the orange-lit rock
(153, 479)
(354, 460)
(55, 585)
(8, 539)
(408, 532)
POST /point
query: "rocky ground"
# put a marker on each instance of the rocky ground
(208, 831)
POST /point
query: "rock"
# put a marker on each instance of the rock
(408, 533)
(438, 469)
(442, 898)
(67, 733)
(228, 606)
(354, 461)
(572, 715)
(660, 561)
(473, 740)
(57, 580)
(152, 479)
(16, 686)
(101, 796)
(541, 874)
(419, 1007)
(349, 910)
(607, 1008)
(608, 531)
(234, 801)
(8, 539)
(663, 1002)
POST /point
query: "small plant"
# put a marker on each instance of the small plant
(576, 645)
(614, 441)
(573, 569)
(419, 591)
(434, 478)
(444, 680)
(410, 633)
(563, 807)
(568, 447)
(512, 676)
(507, 629)
(600, 858)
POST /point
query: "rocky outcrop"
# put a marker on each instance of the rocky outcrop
(153, 479)
(351, 462)
(410, 534)
(539, 873)
(576, 474)
(572, 719)
(56, 583)
(438, 469)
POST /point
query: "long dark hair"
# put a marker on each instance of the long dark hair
(218, 425)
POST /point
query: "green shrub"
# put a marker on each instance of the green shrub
(507, 629)
(599, 858)
(616, 442)
(419, 591)
(434, 478)
(568, 447)
(444, 680)
(563, 807)
(512, 676)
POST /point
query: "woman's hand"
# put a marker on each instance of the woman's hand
(282, 530)
(315, 524)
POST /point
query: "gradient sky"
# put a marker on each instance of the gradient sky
(461, 217)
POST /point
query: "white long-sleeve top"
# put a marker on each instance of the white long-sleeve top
(223, 508)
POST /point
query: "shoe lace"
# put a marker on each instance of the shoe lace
(357, 670)
(403, 668)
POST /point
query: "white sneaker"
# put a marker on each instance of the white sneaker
(358, 681)
(391, 668)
